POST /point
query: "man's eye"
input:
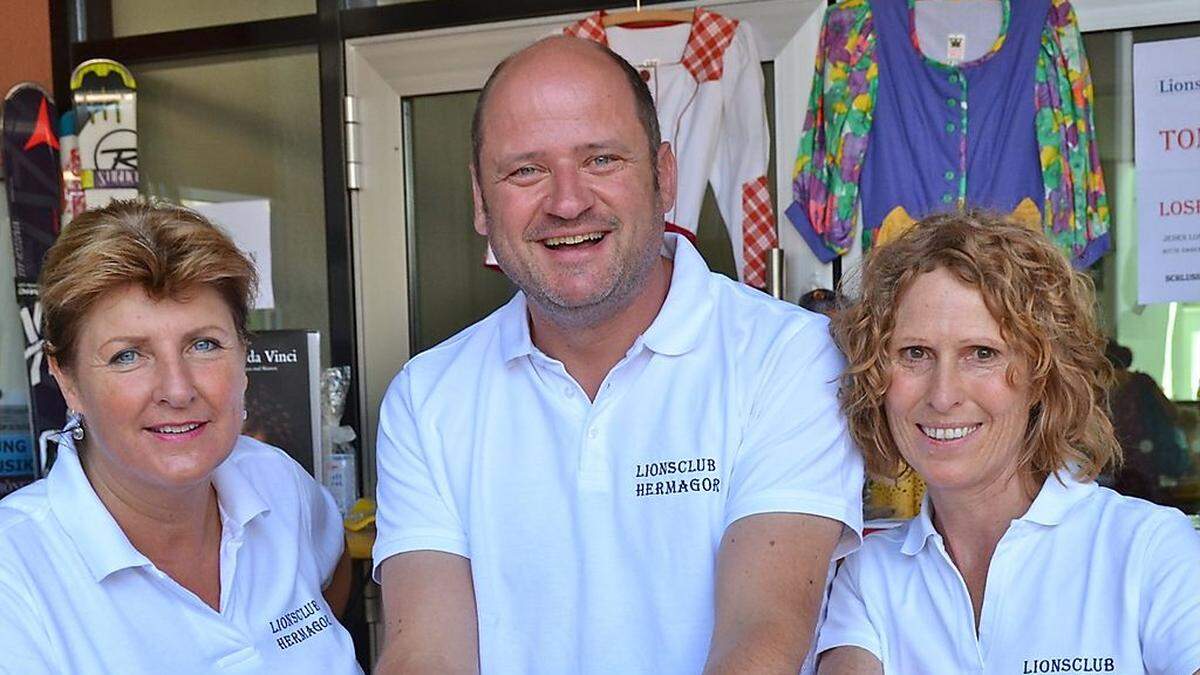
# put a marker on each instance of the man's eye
(125, 357)
(524, 172)
(604, 161)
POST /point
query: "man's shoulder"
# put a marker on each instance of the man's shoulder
(734, 297)
(462, 355)
(759, 318)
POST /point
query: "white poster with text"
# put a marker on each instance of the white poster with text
(1166, 104)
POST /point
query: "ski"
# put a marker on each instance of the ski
(33, 187)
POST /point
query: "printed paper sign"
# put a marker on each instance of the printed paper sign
(248, 223)
(1166, 103)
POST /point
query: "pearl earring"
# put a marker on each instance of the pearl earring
(75, 425)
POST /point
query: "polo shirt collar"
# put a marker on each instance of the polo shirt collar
(689, 305)
(1059, 494)
(515, 340)
(240, 500)
(101, 542)
(676, 330)
(920, 529)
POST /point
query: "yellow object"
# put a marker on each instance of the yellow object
(1028, 215)
(897, 221)
(360, 529)
(895, 224)
(900, 498)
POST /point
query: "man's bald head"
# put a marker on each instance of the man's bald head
(557, 47)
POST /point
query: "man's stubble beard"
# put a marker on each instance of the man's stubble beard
(622, 290)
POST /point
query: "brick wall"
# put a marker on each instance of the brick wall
(25, 43)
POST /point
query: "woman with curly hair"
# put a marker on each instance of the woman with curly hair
(976, 362)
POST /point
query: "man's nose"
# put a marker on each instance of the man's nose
(570, 196)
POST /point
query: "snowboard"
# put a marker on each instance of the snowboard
(105, 122)
(33, 187)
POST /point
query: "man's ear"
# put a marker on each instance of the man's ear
(668, 175)
(477, 199)
(66, 383)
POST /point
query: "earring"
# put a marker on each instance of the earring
(75, 425)
(245, 414)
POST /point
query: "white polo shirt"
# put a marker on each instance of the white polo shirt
(1087, 581)
(592, 528)
(76, 597)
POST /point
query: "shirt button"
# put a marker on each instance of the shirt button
(951, 102)
(593, 433)
(950, 127)
(949, 175)
(953, 78)
(947, 198)
(569, 392)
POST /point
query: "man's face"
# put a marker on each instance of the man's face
(564, 189)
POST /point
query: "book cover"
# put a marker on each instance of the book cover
(284, 393)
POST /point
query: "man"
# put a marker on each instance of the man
(633, 466)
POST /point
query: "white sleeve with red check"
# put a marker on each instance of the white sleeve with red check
(738, 176)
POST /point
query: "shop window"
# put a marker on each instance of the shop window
(138, 17)
(1156, 410)
(246, 129)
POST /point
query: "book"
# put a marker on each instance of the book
(283, 395)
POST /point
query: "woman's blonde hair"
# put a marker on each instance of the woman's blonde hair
(167, 250)
(1046, 313)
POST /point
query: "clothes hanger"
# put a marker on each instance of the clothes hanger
(638, 15)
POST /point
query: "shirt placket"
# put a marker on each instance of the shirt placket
(206, 621)
(592, 467)
(595, 453)
(969, 643)
(1006, 559)
(956, 127)
(593, 463)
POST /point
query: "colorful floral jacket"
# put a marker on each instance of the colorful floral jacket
(1072, 207)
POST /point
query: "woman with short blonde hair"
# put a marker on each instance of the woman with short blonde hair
(163, 541)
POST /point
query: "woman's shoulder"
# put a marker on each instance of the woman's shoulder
(250, 452)
(273, 473)
(1137, 520)
(1132, 514)
(883, 550)
(32, 541)
(23, 510)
